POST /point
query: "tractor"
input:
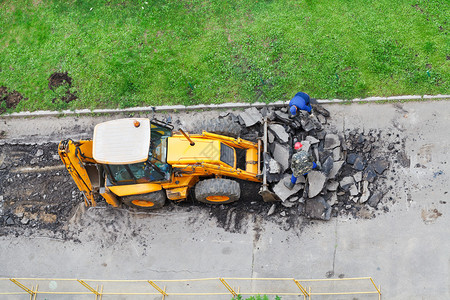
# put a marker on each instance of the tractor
(142, 162)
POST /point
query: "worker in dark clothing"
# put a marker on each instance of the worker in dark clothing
(302, 162)
(301, 101)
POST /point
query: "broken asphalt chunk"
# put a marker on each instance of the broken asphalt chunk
(273, 168)
(10, 221)
(321, 110)
(324, 155)
(251, 116)
(241, 121)
(331, 141)
(337, 153)
(265, 111)
(306, 145)
(365, 192)
(283, 192)
(308, 126)
(283, 117)
(353, 190)
(346, 182)
(361, 139)
(270, 137)
(288, 204)
(375, 199)
(279, 132)
(351, 157)
(359, 163)
(223, 114)
(333, 199)
(271, 210)
(380, 165)
(337, 165)
(40, 152)
(321, 134)
(357, 176)
(316, 122)
(317, 208)
(296, 124)
(293, 198)
(316, 181)
(367, 147)
(332, 186)
(306, 122)
(327, 166)
(322, 119)
(281, 154)
(369, 174)
(301, 179)
(312, 140)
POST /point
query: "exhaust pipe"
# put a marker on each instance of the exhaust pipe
(187, 137)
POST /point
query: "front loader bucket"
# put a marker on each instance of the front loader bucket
(265, 193)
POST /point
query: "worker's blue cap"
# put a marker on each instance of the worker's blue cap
(293, 110)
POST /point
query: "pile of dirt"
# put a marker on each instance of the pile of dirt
(9, 99)
(61, 84)
(58, 79)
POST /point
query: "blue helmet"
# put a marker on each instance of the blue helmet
(293, 110)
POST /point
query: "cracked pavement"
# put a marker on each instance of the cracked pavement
(405, 249)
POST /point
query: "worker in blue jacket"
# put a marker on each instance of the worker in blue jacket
(301, 101)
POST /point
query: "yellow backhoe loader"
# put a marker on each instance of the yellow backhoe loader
(141, 162)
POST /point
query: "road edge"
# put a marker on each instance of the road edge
(239, 105)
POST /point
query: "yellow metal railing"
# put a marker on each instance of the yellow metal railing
(227, 288)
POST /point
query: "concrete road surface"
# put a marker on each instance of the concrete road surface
(405, 248)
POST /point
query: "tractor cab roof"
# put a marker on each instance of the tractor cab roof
(122, 141)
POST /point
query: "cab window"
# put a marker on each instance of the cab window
(154, 169)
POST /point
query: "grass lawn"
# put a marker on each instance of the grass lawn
(133, 53)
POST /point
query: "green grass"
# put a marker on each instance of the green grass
(132, 53)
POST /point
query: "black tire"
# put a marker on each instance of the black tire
(217, 191)
(221, 126)
(150, 201)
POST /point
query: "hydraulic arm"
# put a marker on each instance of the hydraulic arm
(75, 155)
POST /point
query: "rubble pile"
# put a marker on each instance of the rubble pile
(349, 167)
(36, 191)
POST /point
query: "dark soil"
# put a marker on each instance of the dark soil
(58, 79)
(11, 99)
(3, 91)
(62, 80)
(69, 97)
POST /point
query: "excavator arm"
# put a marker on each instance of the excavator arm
(77, 156)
